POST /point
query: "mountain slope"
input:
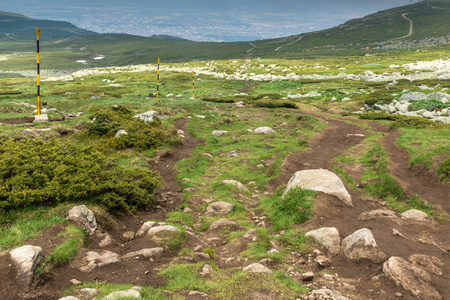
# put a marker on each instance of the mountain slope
(15, 27)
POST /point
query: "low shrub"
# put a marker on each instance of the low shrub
(378, 116)
(415, 122)
(37, 173)
(140, 135)
(269, 103)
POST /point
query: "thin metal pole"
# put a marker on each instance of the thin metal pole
(193, 85)
(38, 32)
(157, 83)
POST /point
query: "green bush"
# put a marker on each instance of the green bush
(142, 136)
(37, 173)
(415, 122)
(269, 103)
(218, 100)
(378, 116)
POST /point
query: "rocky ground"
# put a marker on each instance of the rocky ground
(364, 250)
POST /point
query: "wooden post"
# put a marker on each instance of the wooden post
(38, 32)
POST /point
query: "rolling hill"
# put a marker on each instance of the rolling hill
(388, 29)
(15, 27)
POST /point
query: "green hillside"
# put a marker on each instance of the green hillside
(15, 27)
(431, 24)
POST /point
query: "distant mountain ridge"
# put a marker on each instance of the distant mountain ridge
(16, 27)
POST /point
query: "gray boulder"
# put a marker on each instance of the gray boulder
(320, 180)
(415, 215)
(265, 130)
(237, 184)
(145, 253)
(362, 244)
(257, 268)
(26, 259)
(83, 217)
(443, 97)
(223, 223)
(413, 96)
(328, 237)
(95, 259)
(411, 278)
(148, 116)
(218, 208)
(427, 262)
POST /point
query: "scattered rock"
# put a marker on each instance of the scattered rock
(146, 253)
(222, 223)
(40, 118)
(69, 298)
(218, 208)
(121, 132)
(265, 130)
(427, 262)
(131, 293)
(145, 228)
(328, 237)
(327, 294)
(322, 261)
(251, 235)
(416, 215)
(207, 270)
(88, 293)
(219, 133)
(237, 184)
(26, 259)
(83, 217)
(322, 181)
(106, 241)
(148, 116)
(128, 236)
(159, 229)
(308, 276)
(411, 278)
(257, 268)
(379, 213)
(75, 281)
(362, 244)
(97, 259)
(198, 294)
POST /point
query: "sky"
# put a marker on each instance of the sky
(214, 20)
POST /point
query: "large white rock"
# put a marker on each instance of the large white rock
(415, 215)
(158, 229)
(265, 130)
(362, 244)
(222, 223)
(328, 237)
(97, 259)
(148, 116)
(257, 268)
(145, 228)
(411, 278)
(218, 208)
(40, 118)
(237, 184)
(219, 133)
(83, 217)
(427, 262)
(320, 180)
(146, 253)
(26, 259)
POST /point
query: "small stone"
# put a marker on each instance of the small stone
(75, 281)
(88, 293)
(207, 270)
(323, 261)
(308, 276)
(219, 133)
(398, 295)
(257, 268)
(128, 236)
(416, 215)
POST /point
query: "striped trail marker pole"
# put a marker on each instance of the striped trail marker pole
(157, 83)
(38, 32)
(193, 85)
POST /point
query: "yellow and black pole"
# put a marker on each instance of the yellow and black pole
(193, 85)
(157, 82)
(38, 32)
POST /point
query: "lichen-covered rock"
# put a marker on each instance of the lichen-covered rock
(321, 181)
(257, 268)
(159, 229)
(218, 208)
(26, 259)
(362, 244)
(411, 278)
(99, 258)
(265, 130)
(148, 116)
(427, 262)
(222, 224)
(145, 253)
(83, 217)
(328, 237)
(415, 215)
(375, 214)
